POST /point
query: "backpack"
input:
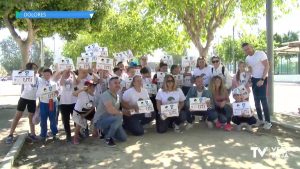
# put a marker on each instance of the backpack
(223, 70)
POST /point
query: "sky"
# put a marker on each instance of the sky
(289, 22)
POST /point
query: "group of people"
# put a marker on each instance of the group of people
(106, 103)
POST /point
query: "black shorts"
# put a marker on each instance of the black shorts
(22, 103)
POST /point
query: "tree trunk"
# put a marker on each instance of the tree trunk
(24, 48)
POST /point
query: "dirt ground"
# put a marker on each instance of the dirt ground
(196, 148)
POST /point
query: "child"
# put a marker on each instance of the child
(242, 77)
(245, 119)
(47, 104)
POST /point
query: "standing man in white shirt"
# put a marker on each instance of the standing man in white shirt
(259, 67)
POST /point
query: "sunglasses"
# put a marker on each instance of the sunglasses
(215, 61)
(169, 81)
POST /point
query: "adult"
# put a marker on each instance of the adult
(169, 94)
(27, 99)
(221, 102)
(108, 116)
(85, 106)
(259, 67)
(133, 119)
(219, 69)
(196, 92)
(204, 70)
(67, 99)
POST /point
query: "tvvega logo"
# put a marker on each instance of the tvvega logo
(273, 152)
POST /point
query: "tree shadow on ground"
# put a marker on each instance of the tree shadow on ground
(196, 148)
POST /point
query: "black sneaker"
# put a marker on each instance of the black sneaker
(110, 142)
(9, 139)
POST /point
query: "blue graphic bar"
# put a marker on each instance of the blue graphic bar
(55, 14)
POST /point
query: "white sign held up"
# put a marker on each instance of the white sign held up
(169, 110)
(179, 79)
(151, 88)
(160, 76)
(189, 61)
(104, 63)
(145, 106)
(198, 104)
(187, 81)
(84, 63)
(241, 108)
(65, 64)
(168, 59)
(20, 77)
(49, 92)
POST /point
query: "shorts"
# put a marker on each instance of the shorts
(22, 103)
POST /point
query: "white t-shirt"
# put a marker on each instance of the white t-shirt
(206, 71)
(244, 78)
(131, 96)
(66, 95)
(226, 76)
(255, 61)
(84, 101)
(29, 91)
(199, 94)
(170, 97)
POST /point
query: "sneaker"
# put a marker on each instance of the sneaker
(248, 127)
(9, 139)
(176, 128)
(110, 142)
(228, 127)
(209, 124)
(189, 126)
(55, 138)
(238, 127)
(267, 126)
(259, 123)
(218, 124)
(33, 137)
(75, 140)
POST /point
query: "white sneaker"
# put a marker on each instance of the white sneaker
(259, 123)
(188, 126)
(238, 127)
(209, 124)
(267, 126)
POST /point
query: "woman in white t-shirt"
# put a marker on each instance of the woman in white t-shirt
(169, 94)
(133, 118)
(85, 107)
(203, 68)
(67, 99)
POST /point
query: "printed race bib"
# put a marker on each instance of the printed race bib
(20, 77)
(198, 104)
(242, 108)
(145, 106)
(169, 110)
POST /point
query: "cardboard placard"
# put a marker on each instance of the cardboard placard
(243, 91)
(145, 106)
(84, 63)
(20, 77)
(198, 104)
(168, 59)
(49, 92)
(151, 88)
(128, 82)
(189, 61)
(105, 63)
(179, 79)
(78, 119)
(161, 76)
(241, 108)
(169, 110)
(65, 64)
(187, 81)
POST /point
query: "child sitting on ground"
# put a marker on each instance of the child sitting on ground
(245, 119)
